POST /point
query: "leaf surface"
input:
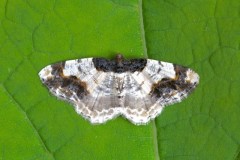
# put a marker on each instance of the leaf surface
(203, 35)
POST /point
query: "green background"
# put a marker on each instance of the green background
(201, 34)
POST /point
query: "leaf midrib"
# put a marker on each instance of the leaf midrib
(145, 54)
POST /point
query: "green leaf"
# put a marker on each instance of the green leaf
(203, 35)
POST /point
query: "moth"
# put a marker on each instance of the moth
(101, 89)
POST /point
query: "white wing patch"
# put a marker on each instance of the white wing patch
(101, 89)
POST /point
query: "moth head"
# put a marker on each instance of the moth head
(119, 58)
